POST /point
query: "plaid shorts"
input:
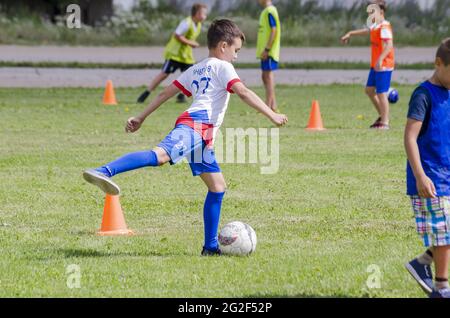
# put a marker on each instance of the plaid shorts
(432, 220)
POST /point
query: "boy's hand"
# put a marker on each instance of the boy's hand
(195, 44)
(425, 187)
(378, 66)
(345, 38)
(264, 55)
(279, 119)
(133, 124)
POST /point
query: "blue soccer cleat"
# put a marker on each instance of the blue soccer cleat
(441, 293)
(422, 274)
(101, 181)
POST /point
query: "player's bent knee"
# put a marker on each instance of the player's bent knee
(218, 188)
(162, 155)
(382, 96)
(370, 91)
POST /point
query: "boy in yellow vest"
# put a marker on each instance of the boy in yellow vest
(178, 52)
(268, 48)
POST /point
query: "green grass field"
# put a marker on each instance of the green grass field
(336, 206)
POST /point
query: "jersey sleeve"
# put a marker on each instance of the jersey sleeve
(228, 76)
(386, 33)
(420, 104)
(182, 28)
(183, 82)
(272, 21)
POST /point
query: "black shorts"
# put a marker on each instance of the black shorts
(171, 66)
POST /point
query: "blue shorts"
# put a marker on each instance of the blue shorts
(269, 65)
(185, 142)
(380, 80)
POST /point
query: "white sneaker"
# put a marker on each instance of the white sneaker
(101, 181)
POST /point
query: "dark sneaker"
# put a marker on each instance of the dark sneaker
(422, 274)
(143, 97)
(381, 126)
(101, 181)
(376, 122)
(441, 293)
(181, 98)
(206, 252)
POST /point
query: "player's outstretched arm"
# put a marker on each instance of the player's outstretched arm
(134, 123)
(348, 35)
(253, 100)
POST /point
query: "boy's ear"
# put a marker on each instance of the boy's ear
(438, 62)
(223, 46)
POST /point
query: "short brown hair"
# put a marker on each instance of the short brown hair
(223, 30)
(380, 3)
(443, 51)
(196, 7)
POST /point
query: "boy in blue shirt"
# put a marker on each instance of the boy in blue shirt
(210, 83)
(427, 143)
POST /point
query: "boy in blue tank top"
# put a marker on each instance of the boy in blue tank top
(427, 143)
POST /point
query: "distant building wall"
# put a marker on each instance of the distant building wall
(224, 5)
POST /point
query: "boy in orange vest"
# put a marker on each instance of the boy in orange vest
(382, 62)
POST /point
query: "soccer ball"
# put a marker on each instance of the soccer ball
(393, 95)
(237, 238)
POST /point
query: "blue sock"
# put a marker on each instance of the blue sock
(129, 162)
(211, 218)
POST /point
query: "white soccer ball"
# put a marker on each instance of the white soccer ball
(237, 238)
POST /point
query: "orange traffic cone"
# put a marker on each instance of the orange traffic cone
(315, 119)
(109, 98)
(113, 222)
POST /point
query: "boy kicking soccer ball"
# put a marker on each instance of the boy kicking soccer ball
(210, 83)
(178, 52)
(382, 61)
(427, 143)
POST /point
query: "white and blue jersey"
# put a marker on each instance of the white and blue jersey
(209, 83)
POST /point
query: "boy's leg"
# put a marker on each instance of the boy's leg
(384, 107)
(420, 267)
(167, 69)
(135, 160)
(441, 260)
(157, 80)
(212, 208)
(426, 258)
(268, 67)
(154, 83)
(269, 84)
(372, 93)
(383, 82)
(101, 176)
